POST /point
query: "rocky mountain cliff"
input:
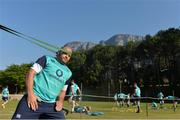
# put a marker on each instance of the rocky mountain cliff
(119, 39)
(77, 45)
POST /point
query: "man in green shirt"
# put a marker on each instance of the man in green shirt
(46, 84)
(5, 96)
(161, 99)
(137, 96)
(74, 94)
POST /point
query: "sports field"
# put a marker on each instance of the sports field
(110, 111)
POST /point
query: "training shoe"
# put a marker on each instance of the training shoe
(3, 106)
(66, 111)
(138, 111)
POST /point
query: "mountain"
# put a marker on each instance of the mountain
(77, 45)
(119, 39)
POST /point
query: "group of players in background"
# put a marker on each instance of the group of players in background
(122, 99)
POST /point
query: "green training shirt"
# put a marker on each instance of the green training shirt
(75, 88)
(51, 79)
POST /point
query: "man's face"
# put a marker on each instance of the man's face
(64, 56)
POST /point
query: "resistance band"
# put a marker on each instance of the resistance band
(40, 43)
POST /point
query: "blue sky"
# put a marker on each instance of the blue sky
(62, 21)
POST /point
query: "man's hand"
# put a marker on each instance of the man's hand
(31, 98)
(32, 102)
(59, 106)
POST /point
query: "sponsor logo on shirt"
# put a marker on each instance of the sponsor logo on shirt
(59, 73)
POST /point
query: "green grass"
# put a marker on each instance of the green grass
(111, 112)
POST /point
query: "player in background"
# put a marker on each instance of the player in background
(137, 95)
(75, 94)
(161, 99)
(5, 96)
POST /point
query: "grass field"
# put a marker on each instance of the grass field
(110, 111)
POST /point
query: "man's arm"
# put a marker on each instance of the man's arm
(79, 91)
(72, 88)
(60, 101)
(31, 99)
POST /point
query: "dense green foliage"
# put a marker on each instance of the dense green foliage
(14, 77)
(153, 61)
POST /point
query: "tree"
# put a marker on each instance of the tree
(77, 65)
(169, 46)
(14, 77)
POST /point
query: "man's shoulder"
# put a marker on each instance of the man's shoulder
(50, 59)
(48, 56)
